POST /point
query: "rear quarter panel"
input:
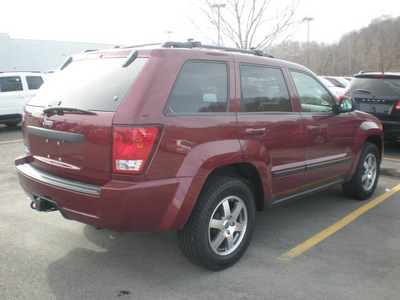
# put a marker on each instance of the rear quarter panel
(190, 145)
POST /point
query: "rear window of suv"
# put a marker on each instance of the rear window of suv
(92, 84)
(383, 87)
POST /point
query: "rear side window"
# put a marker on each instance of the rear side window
(312, 95)
(201, 87)
(34, 82)
(92, 84)
(10, 84)
(263, 90)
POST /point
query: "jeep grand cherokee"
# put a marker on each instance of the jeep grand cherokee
(190, 138)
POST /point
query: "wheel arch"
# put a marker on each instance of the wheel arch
(216, 220)
(378, 142)
(247, 173)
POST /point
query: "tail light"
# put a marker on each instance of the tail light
(398, 105)
(132, 147)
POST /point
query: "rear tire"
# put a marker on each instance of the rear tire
(221, 225)
(364, 181)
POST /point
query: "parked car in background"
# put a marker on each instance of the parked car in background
(16, 88)
(192, 138)
(337, 91)
(379, 94)
(338, 81)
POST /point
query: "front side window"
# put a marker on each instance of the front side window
(34, 82)
(10, 84)
(201, 87)
(312, 95)
(263, 90)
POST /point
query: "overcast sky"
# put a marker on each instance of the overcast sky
(132, 22)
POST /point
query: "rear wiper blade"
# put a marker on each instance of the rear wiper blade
(364, 91)
(59, 110)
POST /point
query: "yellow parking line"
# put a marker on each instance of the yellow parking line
(13, 141)
(335, 227)
(394, 159)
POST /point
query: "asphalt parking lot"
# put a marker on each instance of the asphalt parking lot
(320, 247)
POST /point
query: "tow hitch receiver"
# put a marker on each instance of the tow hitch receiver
(41, 204)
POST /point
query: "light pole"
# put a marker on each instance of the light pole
(169, 32)
(308, 19)
(218, 6)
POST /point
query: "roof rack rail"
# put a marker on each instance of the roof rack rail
(138, 46)
(22, 71)
(368, 71)
(195, 44)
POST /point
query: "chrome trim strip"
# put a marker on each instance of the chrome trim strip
(56, 134)
(59, 182)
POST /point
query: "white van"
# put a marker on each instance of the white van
(16, 88)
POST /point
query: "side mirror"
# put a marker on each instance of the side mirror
(346, 104)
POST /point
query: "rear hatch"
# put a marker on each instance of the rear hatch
(68, 124)
(378, 95)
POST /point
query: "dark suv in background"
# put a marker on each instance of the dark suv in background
(190, 138)
(379, 94)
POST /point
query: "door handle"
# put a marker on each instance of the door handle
(254, 131)
(314, 128)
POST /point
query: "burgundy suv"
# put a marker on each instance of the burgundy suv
(188, 138)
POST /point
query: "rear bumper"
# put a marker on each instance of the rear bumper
(156, 205)
(390, 126)
(14, 118)
(391, 130)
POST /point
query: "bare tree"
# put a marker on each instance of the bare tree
(251, 23)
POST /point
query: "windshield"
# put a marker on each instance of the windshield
(92, 84)
(326, 82)
(343, 81)
(380, 87)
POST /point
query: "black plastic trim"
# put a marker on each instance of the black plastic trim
(309, 191)
(131, 59)
(327, 164)
(293, 171)
(297, 170)
(66, 63)
(196, 44)
(56, 135)
(59, 110)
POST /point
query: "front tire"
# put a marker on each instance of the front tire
(364, 181)
(12, 124)
(221, 225)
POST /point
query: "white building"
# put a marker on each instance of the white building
(37, 55)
